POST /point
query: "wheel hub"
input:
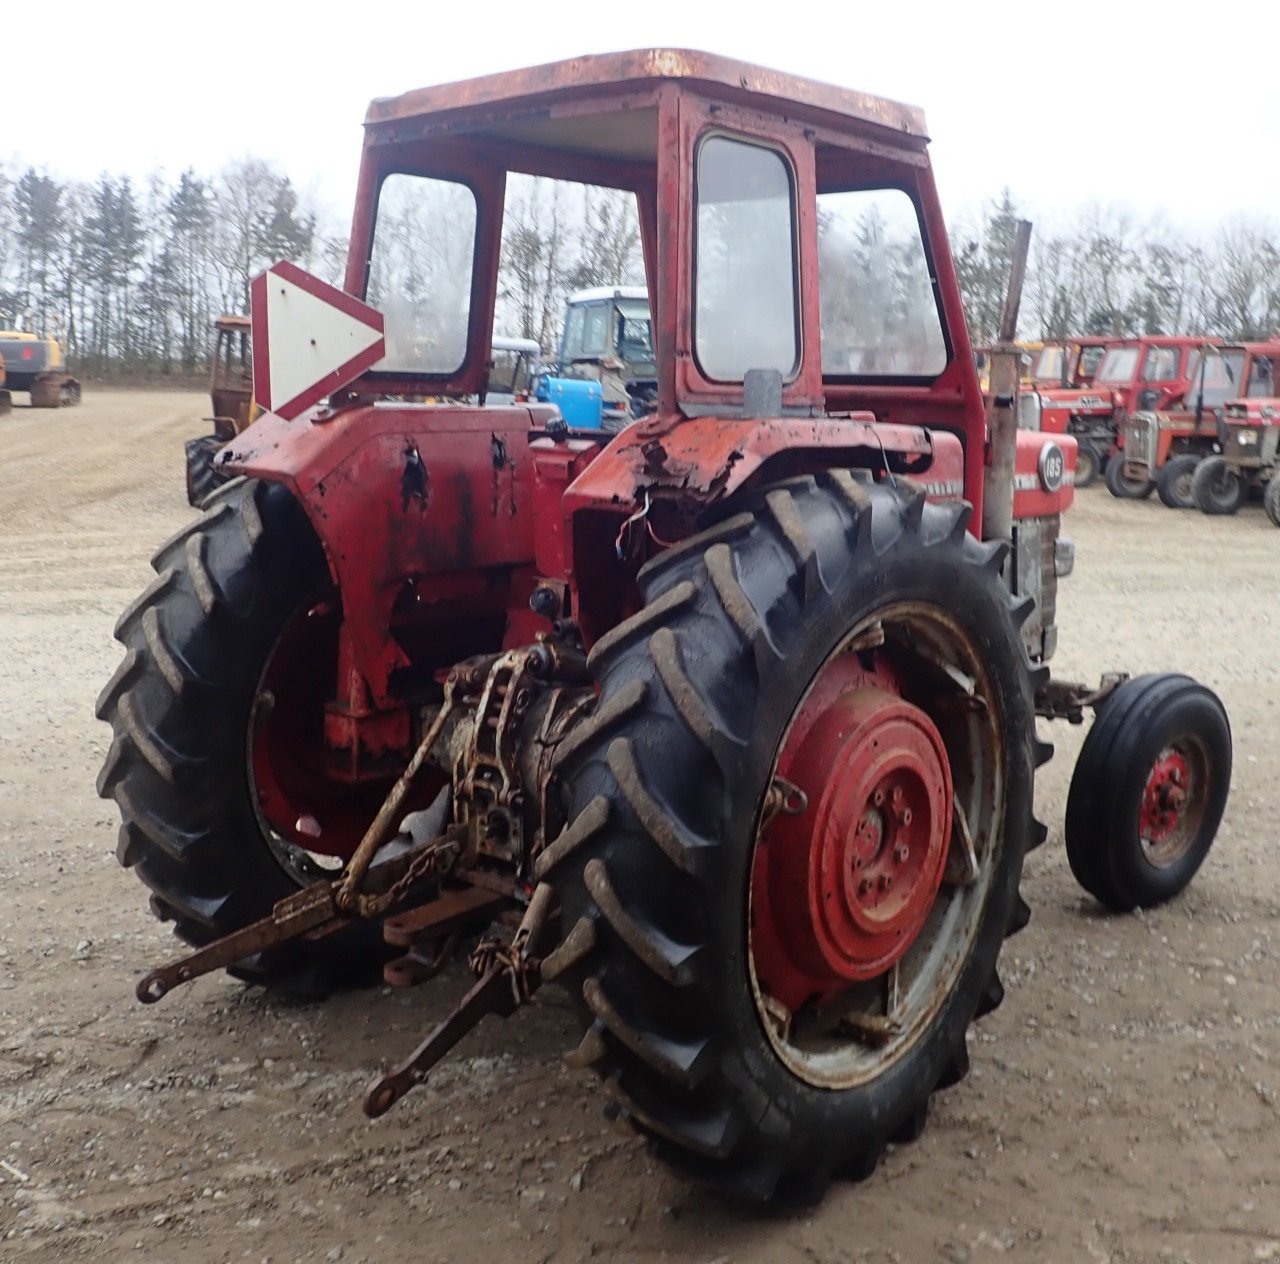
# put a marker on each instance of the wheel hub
(843, 888)
(1164, 797)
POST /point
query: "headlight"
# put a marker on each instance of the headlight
(1029, 409)
(1246, 438)
(1064, 556)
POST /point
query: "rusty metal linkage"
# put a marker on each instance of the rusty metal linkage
(1067, 700)
(509, 976)
(324, 907)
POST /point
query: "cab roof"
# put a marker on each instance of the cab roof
(473, 104)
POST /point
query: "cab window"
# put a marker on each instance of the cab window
(424, 244)
(746, 301)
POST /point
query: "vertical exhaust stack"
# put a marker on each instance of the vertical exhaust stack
(1002, 402)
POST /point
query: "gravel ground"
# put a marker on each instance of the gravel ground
(1122, 1103)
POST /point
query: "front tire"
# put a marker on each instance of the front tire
(1121, 486)
(1148, 791)
(1173, 485)
(659, 870)
(184, 706)
(1271, 500)
(1089, 463)
(1216, 488)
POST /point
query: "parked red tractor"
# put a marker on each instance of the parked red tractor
(1250, 459)
(732, 715)
(1145, 373)
(1163, 449)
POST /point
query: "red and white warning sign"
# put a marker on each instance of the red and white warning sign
(309, 339)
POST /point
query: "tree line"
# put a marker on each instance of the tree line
(130, 276)
(1108, 271)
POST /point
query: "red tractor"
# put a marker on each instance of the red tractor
(1145, 373)
(1163, 449)
(726, 722)
(1249, 460)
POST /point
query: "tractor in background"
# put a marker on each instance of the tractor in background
(1146, 373)
(727, 722)
(1248, 461)
(34, 363)
(1163, 449)
(231, 394)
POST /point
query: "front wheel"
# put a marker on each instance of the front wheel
(1148, 791)
(797, 819)
(1173, 485)
(1088, 463)
(1216, 488)
(1123, 486)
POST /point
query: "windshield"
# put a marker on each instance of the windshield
(1119, 365)
(1222, 376)
(1161, 364)
(1261, 378)
(1048, 367)
(635, 338)
(1087, 364)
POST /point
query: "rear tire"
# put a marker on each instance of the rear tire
(203, 476)
(1173, 484)
(1216, 488)
(1271, 500)
(1088, 463)
(1121, 486)
(665, 782)
(181, 707)
(1127, 844)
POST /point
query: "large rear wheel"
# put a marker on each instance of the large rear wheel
(797, 822)
(216, 760)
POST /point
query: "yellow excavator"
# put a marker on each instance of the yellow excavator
(35, 364)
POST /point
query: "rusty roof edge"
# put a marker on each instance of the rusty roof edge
(647, 64)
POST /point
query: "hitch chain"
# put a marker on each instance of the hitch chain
(509, 976)
(326, 906)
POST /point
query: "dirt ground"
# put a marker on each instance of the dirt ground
(1122, 1104)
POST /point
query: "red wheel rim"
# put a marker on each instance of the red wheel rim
(1171, 810)
(297, 800)
(841, 889)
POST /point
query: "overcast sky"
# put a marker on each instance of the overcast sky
(1159, 106)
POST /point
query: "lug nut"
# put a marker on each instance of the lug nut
(901, 853)
(897, 794)
(886, 882)
(864, 887)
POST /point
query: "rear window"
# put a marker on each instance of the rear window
(424, 245)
